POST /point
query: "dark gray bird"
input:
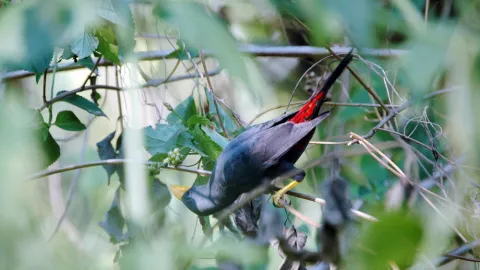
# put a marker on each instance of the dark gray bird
(260, 154)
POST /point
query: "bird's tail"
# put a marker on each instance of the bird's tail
(311, 109)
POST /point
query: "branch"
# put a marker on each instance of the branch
(252, 49)
(450, 256)
(111, 161)
(75, 91)
(307, 197)
(152, 83)
(91, 72)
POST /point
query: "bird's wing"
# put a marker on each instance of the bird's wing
(256, 128)
(274, 143)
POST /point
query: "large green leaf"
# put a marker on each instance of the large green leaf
(396, 237)
(67, 120)
(165, 138)
(84, 45)
(82, 103)
(106, 45)
(114, 11)
(39, 41)
(183, 111)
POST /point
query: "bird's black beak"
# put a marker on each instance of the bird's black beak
(178, 191)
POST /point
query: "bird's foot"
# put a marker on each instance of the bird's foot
(278, 196)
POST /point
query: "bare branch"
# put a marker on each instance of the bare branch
(252, 49)
(111, 161)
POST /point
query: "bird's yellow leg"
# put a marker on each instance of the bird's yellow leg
(279, 194)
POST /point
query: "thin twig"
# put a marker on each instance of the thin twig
(119, 98)
(45, 87)
(298, 214)
(463, 258)
(111, 161)
(368, 88)
(77, 90)
(91, 72)
(337, 104)
(456, 252)
(210, 86)
(397, 171)
(405, 105)
(405, 137)
(158, 82)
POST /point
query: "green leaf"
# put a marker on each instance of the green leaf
(67, 52)
(105, 151)
(227, 120)
(84, 45)
(181, 52)
(48, 145)
(163, 138)
(160, 195)
(396, 237)
(114, 222)
(114, 11)
(82, 103)
(106, 45)
(217, 138)
(118, 12)
(198, 119)
(205, 143)
(88, 63)
(158, 157)
(183, 111)
(67, 120)
(39, 41)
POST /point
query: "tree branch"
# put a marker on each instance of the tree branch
(111, 161)
(252, 49)
(450, 256)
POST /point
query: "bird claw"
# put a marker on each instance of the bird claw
(278, 199)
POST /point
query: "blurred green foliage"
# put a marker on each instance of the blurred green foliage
(441, 41)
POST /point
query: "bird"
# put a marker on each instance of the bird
(260, 154)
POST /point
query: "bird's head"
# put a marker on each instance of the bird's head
(178, 191)
(198, 199)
